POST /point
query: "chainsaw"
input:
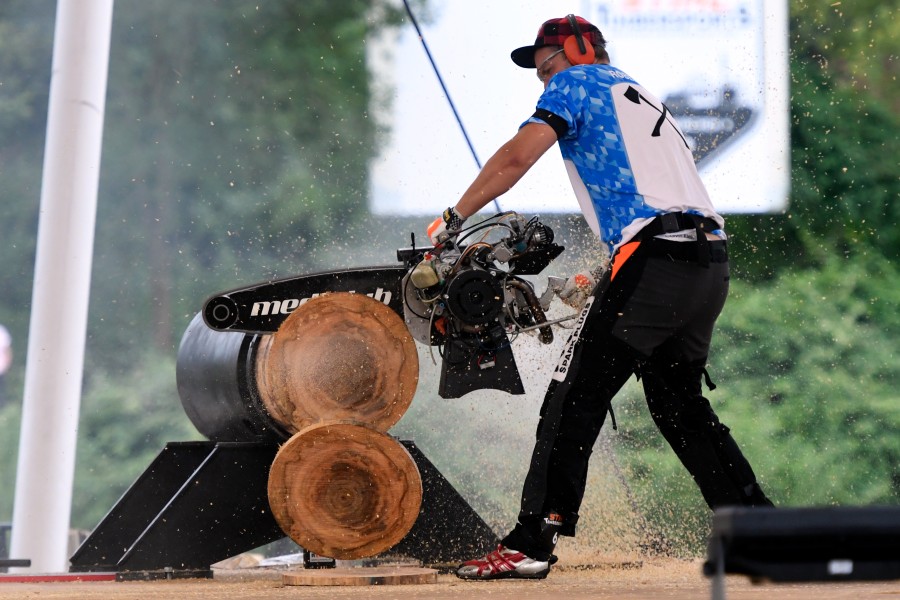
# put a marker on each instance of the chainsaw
(469, 297)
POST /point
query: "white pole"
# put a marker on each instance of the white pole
(55, 360)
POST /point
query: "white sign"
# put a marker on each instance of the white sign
(719, 65)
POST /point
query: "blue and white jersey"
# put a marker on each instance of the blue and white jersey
(625, 154)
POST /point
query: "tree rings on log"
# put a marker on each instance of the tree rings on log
(339, 357)
(344, 490)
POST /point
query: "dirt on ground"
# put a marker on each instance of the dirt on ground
(654, 579)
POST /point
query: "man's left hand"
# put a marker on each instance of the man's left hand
(450, 220)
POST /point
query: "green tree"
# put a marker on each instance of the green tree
(238, 141)
(845, 97)
(26, 29)
(856, 42)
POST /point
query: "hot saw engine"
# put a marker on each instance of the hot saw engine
(467, 296)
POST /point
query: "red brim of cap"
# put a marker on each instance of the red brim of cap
(524, 56)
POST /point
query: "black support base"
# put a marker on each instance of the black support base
(448, 531)
(201, 502)
(196, 504)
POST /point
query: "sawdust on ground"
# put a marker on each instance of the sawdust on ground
(654, 578)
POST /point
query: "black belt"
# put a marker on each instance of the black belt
(686, 251)
(677, 221)
(703, 251)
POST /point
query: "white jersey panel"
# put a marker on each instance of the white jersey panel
(661, 161)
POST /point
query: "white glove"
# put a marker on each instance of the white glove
(449, 220)
(577, 289)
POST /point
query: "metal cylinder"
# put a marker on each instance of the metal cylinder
(216, 383)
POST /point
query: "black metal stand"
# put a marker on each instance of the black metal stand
(448, 531)
(201, 502)
(804, 544)
(196, 504)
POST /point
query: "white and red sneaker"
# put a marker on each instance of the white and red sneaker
(504, 563)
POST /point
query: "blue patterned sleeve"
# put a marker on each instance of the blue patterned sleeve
(555, 101)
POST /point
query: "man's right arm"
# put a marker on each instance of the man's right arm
(506, 167)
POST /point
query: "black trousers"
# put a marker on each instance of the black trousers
(654, 319)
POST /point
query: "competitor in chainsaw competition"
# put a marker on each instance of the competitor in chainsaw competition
(650, 314)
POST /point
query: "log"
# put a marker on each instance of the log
(344, 490)
(340, 356)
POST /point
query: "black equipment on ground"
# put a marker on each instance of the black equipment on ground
(853, 543)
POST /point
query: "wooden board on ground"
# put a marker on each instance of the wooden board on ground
(361, 576)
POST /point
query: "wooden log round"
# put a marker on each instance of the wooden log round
(344, 490)
(340, 356)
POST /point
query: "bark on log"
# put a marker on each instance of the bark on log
(340, 356)
(344, 490)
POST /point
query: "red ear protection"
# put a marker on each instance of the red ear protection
(577, 51)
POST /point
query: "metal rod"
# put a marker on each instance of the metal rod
(446, 91)
(553, 322)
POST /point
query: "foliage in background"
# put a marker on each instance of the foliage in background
(845, 98)
(126, 422)
(238, 139)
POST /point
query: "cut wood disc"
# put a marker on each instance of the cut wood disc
(361, 576)
(344, 490)
(340, 356)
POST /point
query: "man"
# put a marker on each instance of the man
(651, 314)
